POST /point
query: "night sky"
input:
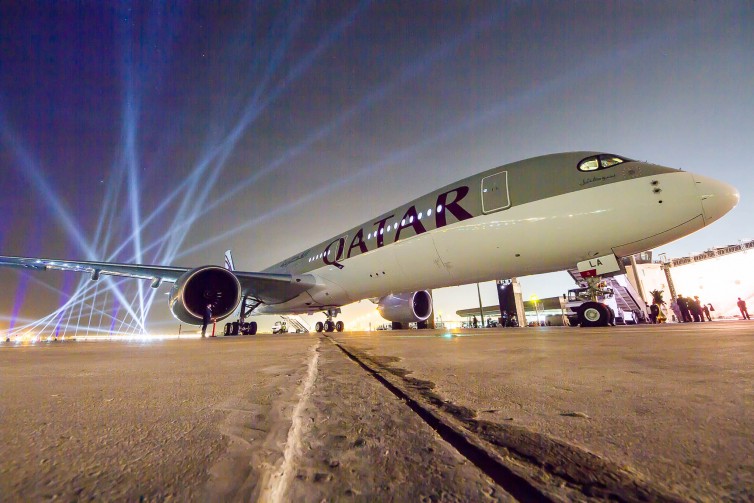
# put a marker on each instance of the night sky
(166, 133)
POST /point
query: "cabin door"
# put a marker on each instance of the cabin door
(495, 195)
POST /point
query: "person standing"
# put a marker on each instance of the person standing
(742, 307)
(676, 311)
(683, 305)
(706, 309)
(206, 319)
(696, 308)
(654, 312)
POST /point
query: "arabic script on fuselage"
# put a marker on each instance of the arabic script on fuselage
(587, 181)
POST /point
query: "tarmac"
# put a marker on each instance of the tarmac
(634, 413)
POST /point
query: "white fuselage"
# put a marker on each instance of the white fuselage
(533, 216)
(541, 235)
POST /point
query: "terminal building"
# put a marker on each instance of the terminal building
(718, 276)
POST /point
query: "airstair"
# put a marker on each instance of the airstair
(295, 323)
(627, 299)
(626, 296)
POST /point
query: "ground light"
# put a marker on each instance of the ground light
(535, 300)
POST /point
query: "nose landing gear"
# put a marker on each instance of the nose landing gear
(594, 313)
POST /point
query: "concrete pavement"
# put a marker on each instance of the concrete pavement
(627, 413)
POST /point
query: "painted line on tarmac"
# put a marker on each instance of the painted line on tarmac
(528, 465)
(276, 489)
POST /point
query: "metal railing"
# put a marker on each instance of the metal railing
(296, 323)
(721, 251)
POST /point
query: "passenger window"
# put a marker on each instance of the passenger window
(589, 164)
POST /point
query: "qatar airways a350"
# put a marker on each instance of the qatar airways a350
(533, 216)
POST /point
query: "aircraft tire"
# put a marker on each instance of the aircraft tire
(329, 326)
(593, 314)
(319, 326)
(253, 328)
(226, 331)
(340, 326)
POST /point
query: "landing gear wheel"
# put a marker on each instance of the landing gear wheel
(252, 330)
(593, 314)
(318, 327)
(339, 326)
(227, 329)
(329, 326)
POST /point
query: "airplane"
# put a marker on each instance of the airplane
(538, 215)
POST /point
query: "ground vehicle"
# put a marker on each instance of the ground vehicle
(280, 327)
(582, 310)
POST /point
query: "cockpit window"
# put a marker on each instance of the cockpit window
(590, 164)
(600, 162)
(609, 160)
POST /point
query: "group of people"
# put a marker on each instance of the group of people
(489, 324)
(687, 309)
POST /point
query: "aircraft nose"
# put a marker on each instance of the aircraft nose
(718, 198)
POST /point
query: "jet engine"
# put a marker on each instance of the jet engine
(201, 286)
(411, 307)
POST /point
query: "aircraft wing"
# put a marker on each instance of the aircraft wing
(266, 287)
(169, 274)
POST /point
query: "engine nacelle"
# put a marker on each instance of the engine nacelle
(201, 286)
(411, 307)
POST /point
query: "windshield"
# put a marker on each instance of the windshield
(602, 161)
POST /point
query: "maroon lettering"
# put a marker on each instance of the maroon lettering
(326, 257)
(410, 219)
(358, 242)
(443, 206)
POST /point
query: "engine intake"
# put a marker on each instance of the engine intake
(411, 307)
(201, 286)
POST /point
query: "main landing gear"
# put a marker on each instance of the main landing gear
(329, 325)
(242, 326)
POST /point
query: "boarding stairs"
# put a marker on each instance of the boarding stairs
(296, 324)
(625, 295)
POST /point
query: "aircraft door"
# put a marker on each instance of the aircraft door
(495, 195)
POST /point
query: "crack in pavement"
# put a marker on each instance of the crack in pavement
(529, 465)
(279, 481)
(263, 438)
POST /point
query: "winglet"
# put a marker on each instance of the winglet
(229, 261)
